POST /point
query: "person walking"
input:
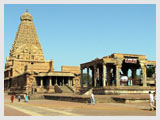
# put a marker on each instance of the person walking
(12, 98)
(92, 99)
(151, 101)
(19, 98)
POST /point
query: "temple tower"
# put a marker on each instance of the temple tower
(26, 54)
(26, 45)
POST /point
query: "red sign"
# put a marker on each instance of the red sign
(130, 60)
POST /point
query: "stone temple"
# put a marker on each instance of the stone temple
(27, 71)
(106, 74)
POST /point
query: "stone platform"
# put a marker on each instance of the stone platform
(127, 98)
(114, 90)
(69, 97)
(136, 98)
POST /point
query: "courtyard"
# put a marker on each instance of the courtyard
(65, 108)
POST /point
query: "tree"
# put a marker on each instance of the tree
(85, 79)
(150, 71)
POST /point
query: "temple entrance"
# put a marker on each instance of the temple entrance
(131, 68)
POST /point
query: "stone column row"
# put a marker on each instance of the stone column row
(94, 76)
(70, 82)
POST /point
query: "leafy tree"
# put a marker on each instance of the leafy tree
(150, 71)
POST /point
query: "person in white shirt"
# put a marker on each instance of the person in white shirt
(92, 99)
(151, 101)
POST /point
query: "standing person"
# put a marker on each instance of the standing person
(151, 101)
(19, 98)
(12, 98)
(26, 98)
(92, 99)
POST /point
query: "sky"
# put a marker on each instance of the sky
(72, 34)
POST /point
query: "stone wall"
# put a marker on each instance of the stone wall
(18, 84)
(72, 69)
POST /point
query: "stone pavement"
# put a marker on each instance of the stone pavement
(63, 108)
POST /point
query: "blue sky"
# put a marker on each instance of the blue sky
(72, 34)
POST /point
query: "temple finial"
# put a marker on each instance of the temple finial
(27, 10)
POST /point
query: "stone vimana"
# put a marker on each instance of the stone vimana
(26, 70)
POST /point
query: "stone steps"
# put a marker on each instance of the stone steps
(65, 89)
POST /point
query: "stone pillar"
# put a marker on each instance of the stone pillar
(155, 74)
(109, 75)
(92, 76)
(72, 82)
(50, 81)
(118, 67)
(68, 81)
(41, 82)
(87, 76)
(95, 75)
(155, 71)
(51, 88)
(134, 75)
(62, 81)
(82, 77)
(104, 75)
(144, 77)
(56, 80)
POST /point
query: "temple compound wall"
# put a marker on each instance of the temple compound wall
(107, 72)
(27, 71)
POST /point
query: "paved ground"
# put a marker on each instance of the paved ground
(62, 108)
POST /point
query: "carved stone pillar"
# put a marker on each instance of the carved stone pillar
(144, 77)
(104, 75)
(118, 68)
(95, 75)
(82, 77)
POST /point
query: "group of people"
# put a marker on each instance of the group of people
(152, 100)
(19, 98)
